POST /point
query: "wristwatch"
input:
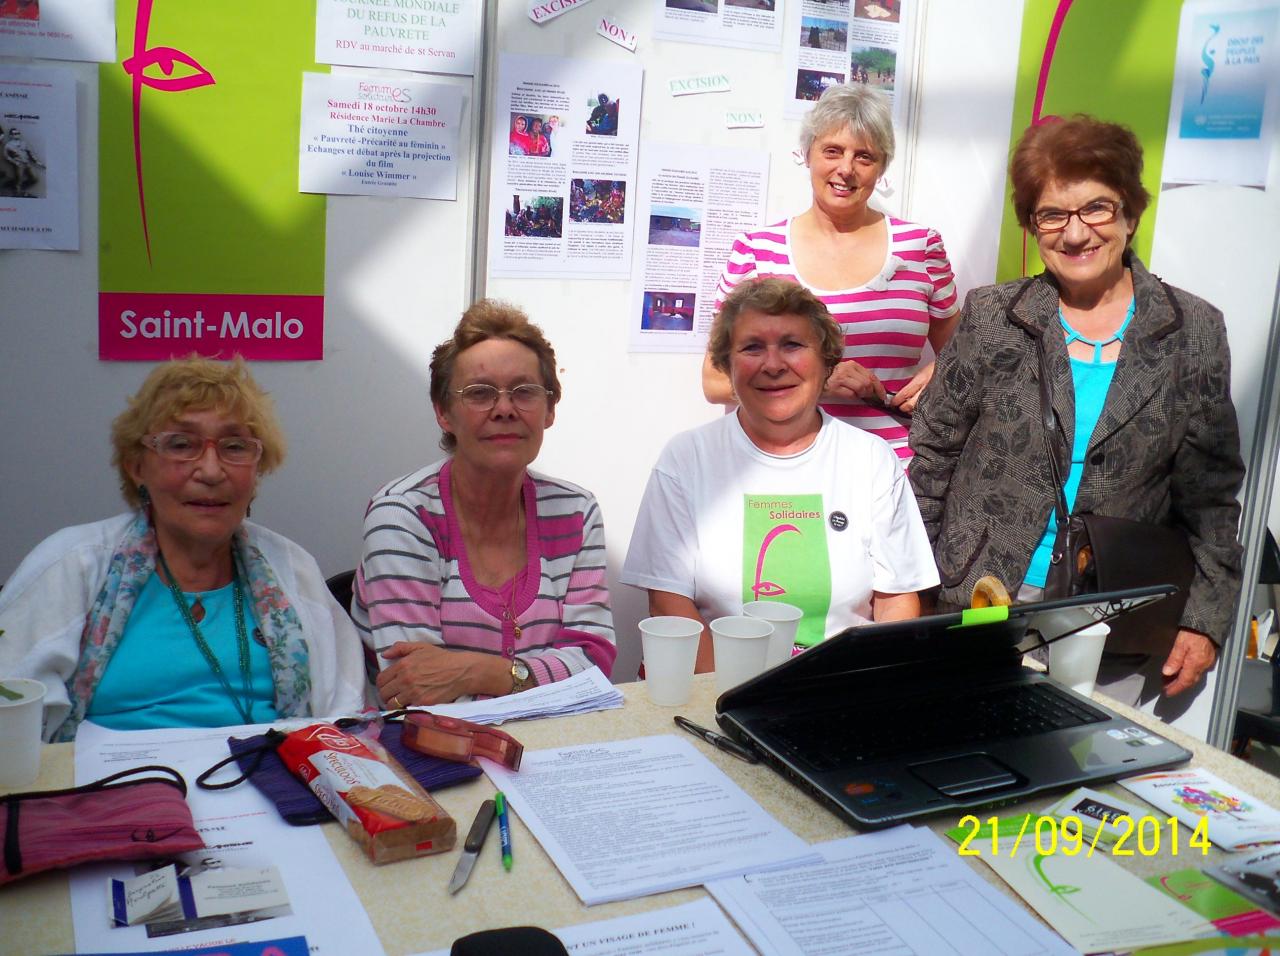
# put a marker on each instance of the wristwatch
(521, 676)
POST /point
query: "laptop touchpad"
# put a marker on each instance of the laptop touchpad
(966, 775)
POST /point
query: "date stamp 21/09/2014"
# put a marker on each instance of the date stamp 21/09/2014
(1069, 836)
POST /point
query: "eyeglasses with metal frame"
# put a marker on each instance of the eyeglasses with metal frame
(1100, 212)
(185, 446)
(482, 398)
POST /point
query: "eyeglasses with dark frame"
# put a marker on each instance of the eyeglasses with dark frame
(186, 446)
(482, 398)
(1100, 212)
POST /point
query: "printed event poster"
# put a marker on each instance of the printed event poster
(859, 41)
(58, 29)
(379, 136)
(1226, 93)
(562, 171)
(39, 176)
(431, 36)
(691, 202)
(206, 243)
(753, 24)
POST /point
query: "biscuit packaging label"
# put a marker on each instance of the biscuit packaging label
(381, 806)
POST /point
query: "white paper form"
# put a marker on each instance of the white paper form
(900, 892)
(692, 202)
(580, 694)
(753, 24)
(633, 817)
(692, 929)
(39, 177)
(561, 194)
(241, 829)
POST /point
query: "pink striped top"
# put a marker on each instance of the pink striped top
(415, 583)
(885, 322)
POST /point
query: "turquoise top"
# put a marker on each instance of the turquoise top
(157, 676)
(1091, 380)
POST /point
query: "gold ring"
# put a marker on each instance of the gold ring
(394, 702)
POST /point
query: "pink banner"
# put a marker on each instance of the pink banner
(153, 326)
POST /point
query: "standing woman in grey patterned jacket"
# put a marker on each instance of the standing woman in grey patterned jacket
(1141, 384)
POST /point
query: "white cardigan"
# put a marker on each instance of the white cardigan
(44, 605)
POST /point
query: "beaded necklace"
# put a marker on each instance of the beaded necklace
(242, 637)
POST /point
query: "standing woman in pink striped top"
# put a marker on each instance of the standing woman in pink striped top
(886, 282)
(478, 575)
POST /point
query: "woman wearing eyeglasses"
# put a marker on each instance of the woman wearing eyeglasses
(1140, 383)
(181, 613)
(478, 575)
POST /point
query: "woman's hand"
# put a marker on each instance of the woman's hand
(907, 396)
(431, 674)
(1192, 655)
(851, 380)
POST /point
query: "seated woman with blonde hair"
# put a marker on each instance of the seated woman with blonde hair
(480, 576)
(180, 612)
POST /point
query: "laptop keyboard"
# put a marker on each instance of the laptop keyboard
(860, 734)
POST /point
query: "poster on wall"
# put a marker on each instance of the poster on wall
(753, 24)
(691, 203)
(58, 29)
(1226, 93)
(562, 171)
(379, 136)
(207, 245)
(432, 37)
(39, 179)
(861, 41)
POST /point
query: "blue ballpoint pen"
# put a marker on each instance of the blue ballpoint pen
(504, 829)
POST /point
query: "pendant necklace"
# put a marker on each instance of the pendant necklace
(245, 706)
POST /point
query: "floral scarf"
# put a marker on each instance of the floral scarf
(132, 563)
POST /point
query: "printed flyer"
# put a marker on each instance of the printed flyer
(58, 29)
(563, 167)
(39, 178)
(753, 24)
(1237, 820)
(432, 36)
(379, 136)
(691, 203)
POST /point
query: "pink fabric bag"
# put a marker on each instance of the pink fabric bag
(109, 819)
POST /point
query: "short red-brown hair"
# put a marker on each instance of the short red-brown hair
(1070, 150)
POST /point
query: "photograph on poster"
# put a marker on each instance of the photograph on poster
(873, 65)
(675, 226)
(811, 83)
(21, 172)
(603, 119)
(531, 134)
(697, 6)
(19, 9)
(887, 11)
(667, 311)
(536, 217)
(821, 34)
(768, 5)
(597, 200)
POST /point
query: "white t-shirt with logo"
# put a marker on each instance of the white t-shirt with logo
(723, 523)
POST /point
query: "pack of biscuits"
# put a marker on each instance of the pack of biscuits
(383, 809)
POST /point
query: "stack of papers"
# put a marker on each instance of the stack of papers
(579, 694)
(629, 818)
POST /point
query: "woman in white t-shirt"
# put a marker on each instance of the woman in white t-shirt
(779, 500)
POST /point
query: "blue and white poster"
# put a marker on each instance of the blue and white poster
(1225, 91)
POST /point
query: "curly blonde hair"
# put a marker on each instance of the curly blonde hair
(193, 384)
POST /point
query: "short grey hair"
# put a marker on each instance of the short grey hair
(864, 111)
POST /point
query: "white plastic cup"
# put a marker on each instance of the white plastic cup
(670, 648)
(20, 726)
(741, 646)
(1074, 660)
(785, 619)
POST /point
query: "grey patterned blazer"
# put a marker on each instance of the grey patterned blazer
(1166, 448)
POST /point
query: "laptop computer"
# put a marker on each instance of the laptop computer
(889, 722)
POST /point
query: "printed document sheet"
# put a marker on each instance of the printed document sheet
(580, 694)
(629, 818)
(241, 829)
(901, 892)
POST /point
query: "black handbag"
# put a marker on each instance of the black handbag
(1094, 553)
